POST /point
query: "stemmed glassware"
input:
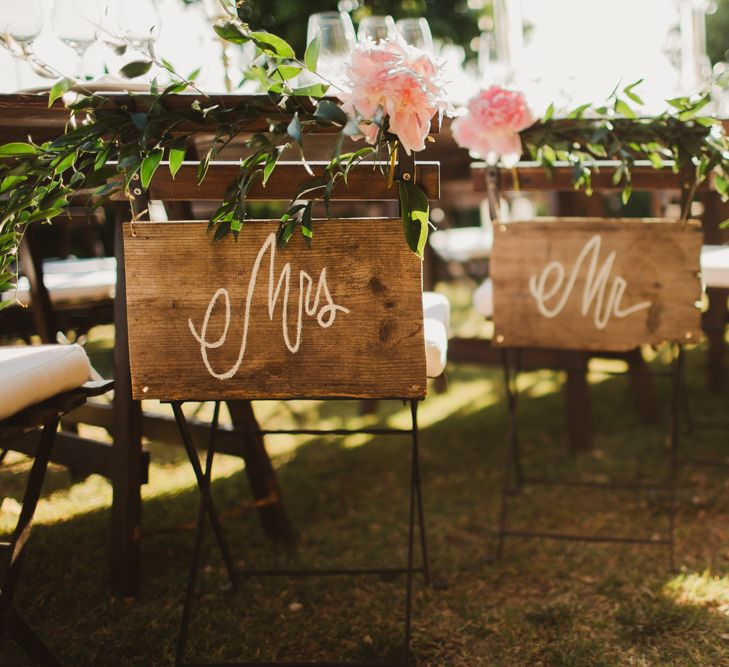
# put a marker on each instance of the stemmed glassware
(77, 24)
(416, 32)
(337, 39)
(139, 21)
(376, 28)
(20, 24)
(23, 21)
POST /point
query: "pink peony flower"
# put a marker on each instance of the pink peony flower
(400, 79)
(492, 124)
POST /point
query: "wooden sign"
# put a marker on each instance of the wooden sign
(596, 284)
(246, 319)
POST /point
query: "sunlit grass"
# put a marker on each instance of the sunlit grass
(545, 604)
(701, 588)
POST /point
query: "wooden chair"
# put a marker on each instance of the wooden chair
(594, 285)
(62, 292)
(364, 327)
(38, 385)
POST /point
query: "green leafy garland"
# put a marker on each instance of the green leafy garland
(108, 143)
(691, 144)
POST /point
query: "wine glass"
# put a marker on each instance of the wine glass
(20, 24)
(23, 21)
(77, 22)
(139, 21)
(416, 32)
(337, 39)
(376, 28)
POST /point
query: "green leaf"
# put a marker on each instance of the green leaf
(294, 129)
(202, 168)
(656, 160)
(679, 102)
(149, 166)
(721, 184)
(177, 155)
(67, 162)
(327, 110)
(17, 148)
(271, 162)
(694, 109)
(272, 44)
(10, 181)
(306, 224)
(628, 90)
(135, 69)
(287, 72)
(549, 113)
(58, 89)
(626, 193)
(415, 211)
(622, 108)
(577, 113)
(258, 74)
(177, 87)
(314, 90)
(102, 157)
(231, 31)
(311, 57)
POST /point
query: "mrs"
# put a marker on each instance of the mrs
(325, 314)
(607, 297)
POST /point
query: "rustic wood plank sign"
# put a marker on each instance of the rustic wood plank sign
(246, 319)
(596, 284)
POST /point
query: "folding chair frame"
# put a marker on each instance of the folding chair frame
(207, 509)
(515, 480)
(45, 415)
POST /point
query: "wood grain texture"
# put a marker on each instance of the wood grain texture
(31, 110)
(364, 182)
(657, 260)
(376, 350)
(530, 177)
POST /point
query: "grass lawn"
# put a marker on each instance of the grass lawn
(544, 604)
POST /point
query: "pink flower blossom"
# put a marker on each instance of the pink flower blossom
(401, 80)
(491, 126)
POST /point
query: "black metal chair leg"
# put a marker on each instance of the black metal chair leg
(199, 534)
(513, 474)
(205, 494)
(10, 620)
(673, 463)
(411, 545)
(29, 641)
(30, 502)
(417, 480)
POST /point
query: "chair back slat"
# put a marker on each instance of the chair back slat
(365, 183)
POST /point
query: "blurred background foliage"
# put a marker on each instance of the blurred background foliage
(455, 21)
(717, 32)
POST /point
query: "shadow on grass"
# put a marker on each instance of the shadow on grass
(544, 603)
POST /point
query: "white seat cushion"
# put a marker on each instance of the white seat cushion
(32, 373)
(436, 321)
(72, 280)
(436, 347)
(483, 299)
(462, 244)
(438, 307)
(715, 265)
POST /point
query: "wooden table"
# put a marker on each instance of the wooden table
(124, 463)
